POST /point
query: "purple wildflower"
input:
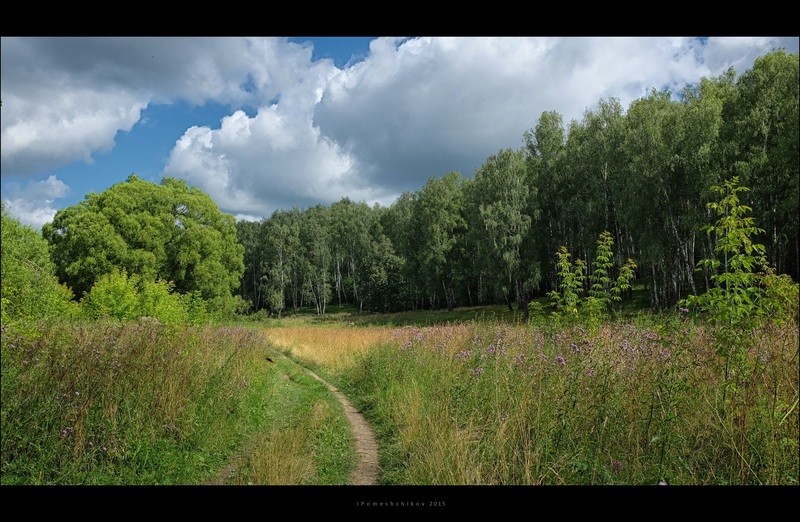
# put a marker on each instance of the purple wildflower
(66, 432)
(477, 371)
(575, 348)
(560, 360)
(463, 354)
(617, 466)
(590, 372)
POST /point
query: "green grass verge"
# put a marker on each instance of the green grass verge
(143, 403)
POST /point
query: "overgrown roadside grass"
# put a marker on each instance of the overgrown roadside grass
(626, 403)
(309, 440)
(143, 403)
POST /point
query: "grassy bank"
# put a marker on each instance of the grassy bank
(627, 403)
(144, 403)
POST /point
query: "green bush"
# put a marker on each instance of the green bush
(28, 286)
(114, 295)
(125, 297)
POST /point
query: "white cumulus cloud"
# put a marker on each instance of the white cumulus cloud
(33, 203)
(410, 110)
(66, 98)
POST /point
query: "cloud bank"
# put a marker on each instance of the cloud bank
(411, 110)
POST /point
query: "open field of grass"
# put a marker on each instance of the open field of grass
(638, 401)
(473, 396)
(143, 403)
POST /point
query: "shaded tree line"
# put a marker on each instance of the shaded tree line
(644, 175)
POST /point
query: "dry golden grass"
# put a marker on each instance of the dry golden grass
(329, 346)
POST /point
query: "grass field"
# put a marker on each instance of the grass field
(635, 401)
(143, 403)
(473, 396)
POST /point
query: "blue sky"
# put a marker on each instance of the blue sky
(269, 123)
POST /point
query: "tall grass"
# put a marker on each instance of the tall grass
(624, 403)
(326, 346)
(141, 402)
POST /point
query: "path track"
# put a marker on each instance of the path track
(366, 472)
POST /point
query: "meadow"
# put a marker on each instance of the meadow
(109, 402)
(645, 400)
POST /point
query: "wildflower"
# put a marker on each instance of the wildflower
(575, 348)
(662, 482)
(463, 354)
(477, 371)
(590, 372)
(560, 360)
(66, 432)
(617, 466)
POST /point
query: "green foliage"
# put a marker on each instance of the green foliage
(762, 130)
(168, 231)
(572, 276)
(114, 295)
(637, 177)
(28, 287)
(781, 300)
(745, 290)
(158, 300)
(502, 195)
(125, 297)
(437, 222)
(570, 300)
(145, 403)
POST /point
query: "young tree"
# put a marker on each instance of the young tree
(738, 264)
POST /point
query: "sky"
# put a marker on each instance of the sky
(267, 123)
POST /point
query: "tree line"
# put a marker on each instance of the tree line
(643, 175)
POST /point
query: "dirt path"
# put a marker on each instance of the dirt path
(366, 472)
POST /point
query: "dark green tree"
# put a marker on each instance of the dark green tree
(169, 231)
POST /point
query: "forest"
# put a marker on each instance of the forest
(644, 175)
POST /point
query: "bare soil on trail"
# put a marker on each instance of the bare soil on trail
(366, 472)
